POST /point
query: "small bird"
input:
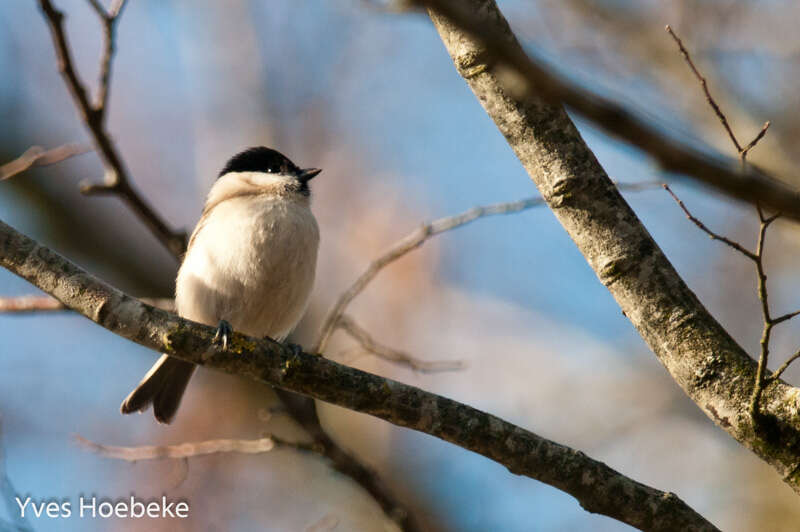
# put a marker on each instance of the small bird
(249, 265)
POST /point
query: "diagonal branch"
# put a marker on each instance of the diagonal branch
(403, 246)
(118, 183)
(596, 486)
(498, 52)
(713, 370)
(117, 179)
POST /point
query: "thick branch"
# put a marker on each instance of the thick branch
(700, 355)
(494, 45)
(597, 487)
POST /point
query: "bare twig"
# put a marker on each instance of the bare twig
(369, 344)
(417, 239)
(38, 156)
(752, 144)
(777, 374)
(761, 378)
(533, 78)
(599, 488)
(704, 84)
(28, 304)
(742, 151)
(403, 246)
(757, 257)
(117, 180)
(186, 450)
(714, 236)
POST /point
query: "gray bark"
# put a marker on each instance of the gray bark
(597, 487)
(700, 355)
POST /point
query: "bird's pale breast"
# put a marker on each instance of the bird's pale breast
(251, 263)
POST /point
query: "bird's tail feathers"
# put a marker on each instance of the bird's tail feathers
(163, 387)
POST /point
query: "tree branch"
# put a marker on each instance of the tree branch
(403, 246)
(117, 181)
(596, 486)
(38, 156)
(369, 344)
(28, 304)
(497, 51)
(699, 354)
(181, 450)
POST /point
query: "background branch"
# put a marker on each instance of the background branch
(369, 344)
(28, 304)
(597, 487)
(38, 156)
(403, 246)
(182, 450)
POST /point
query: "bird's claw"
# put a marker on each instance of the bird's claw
(295, 348)
(223, 335)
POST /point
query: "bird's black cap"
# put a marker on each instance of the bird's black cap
(260, 159)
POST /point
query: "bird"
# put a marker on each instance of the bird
(249, 265)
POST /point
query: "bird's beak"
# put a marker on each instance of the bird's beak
(307, 174)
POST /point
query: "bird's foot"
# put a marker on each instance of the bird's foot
(297, 350)
(224, 333)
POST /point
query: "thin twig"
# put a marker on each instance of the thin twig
(28, 304)
(419, 237)
(704, 84)
(117, 179)
(182, 450)
(761, 380)
(752, 144)
(38, 156)
(777, 374)
(109, 20)
(368, 343)
(403, 246)
(714, 236)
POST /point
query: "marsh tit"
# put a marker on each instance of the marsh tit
(249, 265)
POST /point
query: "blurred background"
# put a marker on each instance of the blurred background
(372, 98)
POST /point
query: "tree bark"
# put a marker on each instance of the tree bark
(597, 487)
(716, 373)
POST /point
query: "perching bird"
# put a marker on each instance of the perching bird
(249, 265)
